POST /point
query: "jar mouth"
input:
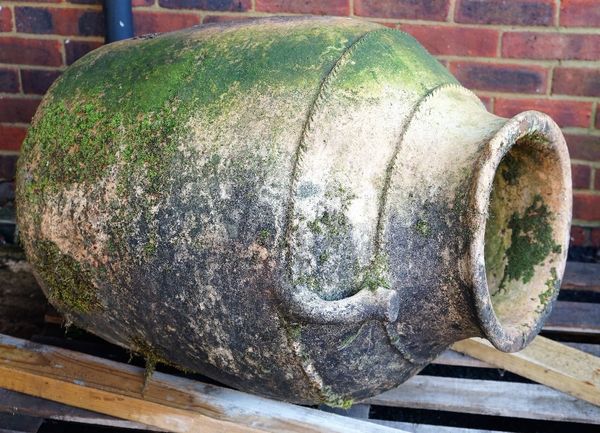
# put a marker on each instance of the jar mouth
(522, 201)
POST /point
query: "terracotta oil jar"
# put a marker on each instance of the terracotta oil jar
(310, 209)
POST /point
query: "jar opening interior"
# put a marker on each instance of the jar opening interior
(524, 234)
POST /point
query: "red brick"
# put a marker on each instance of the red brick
(500, 77)
(597, 117)
(551, 46)
(458, 41)
(579, 236)
(512, 12)
(209, 5)
(30, 51)
(11, 137)
(9, 80)
(586, 147)
(432, 10)
(17, 110)
(581, 176)
(315, 7)
(565, 113)
(586, 207)
(60, 21)
(595, 237)
(76, 49)
(34, 20)
(576, 81)
(580, 13)
(152, 22)
(487, 101)
(37, 81)
(6, 23)
(134, 3)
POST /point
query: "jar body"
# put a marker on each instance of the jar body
(258, 202)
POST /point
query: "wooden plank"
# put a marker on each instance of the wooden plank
(582, 276)
(20, 423)
(488, 397)
(168, 402)
(453, 358)
(360, 411)
(427, 428)
(544, 361)
(3, 430)
(23, 404)
(591, 349)
(54, 319)
(456, 359)
(575, 318)
(110, 403)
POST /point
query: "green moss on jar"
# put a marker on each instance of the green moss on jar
(374, 275)
(69, 143)
(552, 286)
(531, 241)
(69, 282)
(422, 227)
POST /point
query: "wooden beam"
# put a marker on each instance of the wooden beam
(582, 276)
(581, 318)
(427, 428)
(172, 403)
(544, 361)
(456, 359)
(22, 404)
(488, 397)
(19, 423)
(110, 403)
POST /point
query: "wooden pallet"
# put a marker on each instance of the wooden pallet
(458, 393)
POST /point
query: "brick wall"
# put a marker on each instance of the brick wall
(516, 54)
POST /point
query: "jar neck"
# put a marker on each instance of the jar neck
(522, 202)
(436, 214)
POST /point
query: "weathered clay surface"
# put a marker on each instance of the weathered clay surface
(295, 207)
